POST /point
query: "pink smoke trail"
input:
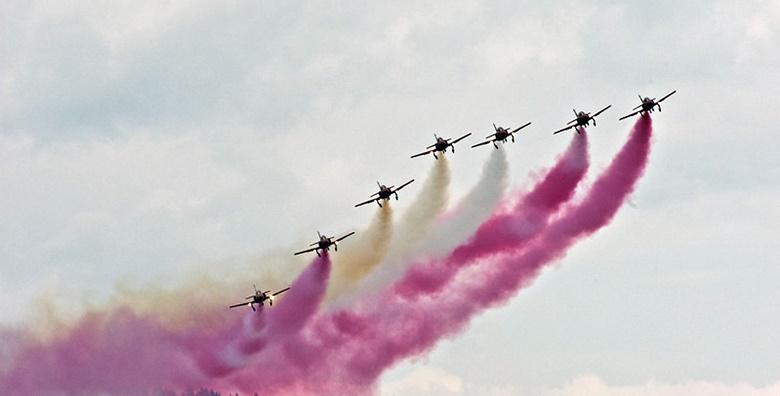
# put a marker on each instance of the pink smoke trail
(336, 353)
(346, 351)
(121, 353)
(508, 230)
(516, 225)
(283, 320)
(496, 281)
(529, 215)
(105, 353)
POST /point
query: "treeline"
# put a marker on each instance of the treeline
(200, 392)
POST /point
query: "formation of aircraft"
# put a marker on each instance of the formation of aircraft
(324, 244)
(647, 105)
(501, 134)
(441, 145)
(582, 120)
(384, 193)
(259, 298)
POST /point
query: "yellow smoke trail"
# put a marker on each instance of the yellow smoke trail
(359, 257)
(446, 232)
(202, 296)
(409, 233)
(418, 220)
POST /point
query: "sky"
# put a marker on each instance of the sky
(141, 140)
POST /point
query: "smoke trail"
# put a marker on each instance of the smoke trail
(343, 351)
(555, 188)
(356, 260)
(418, 220)
(104, 354)
(413, 228)
(287, 317)
(417, 327)
(119, 352)
(473, 209)
(346, 351)
(511, 229)
(207, 287)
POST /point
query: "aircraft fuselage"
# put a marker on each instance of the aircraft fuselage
(324, 243)
(441, 144)
(583, 120)
(648, 106)
(259, 299)
(501, 134)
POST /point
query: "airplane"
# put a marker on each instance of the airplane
(582, 120)
(324, 244)
(384, 193)
(647, 105)
(441, 145)
(500, 136)
(260, 298)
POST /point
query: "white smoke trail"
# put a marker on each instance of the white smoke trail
(472, 210)
(456, 227)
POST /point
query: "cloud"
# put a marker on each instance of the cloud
(424, 381)
(149, 137)
(594, 386)
(429, 381)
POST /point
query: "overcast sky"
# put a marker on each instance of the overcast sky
(140, 139)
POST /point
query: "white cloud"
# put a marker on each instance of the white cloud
(594, 386)
(429, 381)
(137, 138)
(424, 381)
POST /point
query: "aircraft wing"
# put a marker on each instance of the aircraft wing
(630, 115)
(668, 95)
(481, 144)
(403, 185)
(345, 236)
(304, 251)
(601, 111)
(461, 138)
(281, 291)
(521, 127)
(239, 305)
(421, 154)
(564, 129)
(366, 202)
